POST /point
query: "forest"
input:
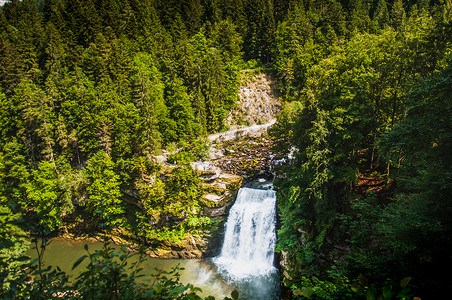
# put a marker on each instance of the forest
(91, 91)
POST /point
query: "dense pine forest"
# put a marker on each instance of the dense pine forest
(92, 91)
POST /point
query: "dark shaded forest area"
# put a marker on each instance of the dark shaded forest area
(92, 91)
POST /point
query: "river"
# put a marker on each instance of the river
(246, 262)
(201, 273)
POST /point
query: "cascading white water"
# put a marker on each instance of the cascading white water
(250, 237)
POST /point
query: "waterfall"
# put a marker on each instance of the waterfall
(249, 241)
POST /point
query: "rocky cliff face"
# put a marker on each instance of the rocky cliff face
(220, 192)
(258, 101)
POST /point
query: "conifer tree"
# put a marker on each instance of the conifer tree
(103, 196)
(148, 97)
(49, 194)
(181, 112)
(380, 16)
(398, 16)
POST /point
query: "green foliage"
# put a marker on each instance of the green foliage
(342, 288)
(50, 194)
(283, 130)
(183, 125)
(168, 286)
(40, 281)
(148, 93)
(171, 206)
(214, 89)
(91, 90)
(195, 222)
(109, 274)
(418, 216)
(126, 79)
(198, 149)
(13, 175)
(103, 196)
(361, 106)
(181, 158)
(313, 288)
(13, 244)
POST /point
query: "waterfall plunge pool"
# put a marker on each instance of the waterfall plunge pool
(245, 262)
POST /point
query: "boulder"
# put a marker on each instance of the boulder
(213, 198)
(214, 212)
(160, 253)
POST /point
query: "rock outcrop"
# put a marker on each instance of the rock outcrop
(249, 158)
(220, 192)
(258, 101)
(241, 132)
(245, 149)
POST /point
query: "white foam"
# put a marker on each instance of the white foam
(250, 237)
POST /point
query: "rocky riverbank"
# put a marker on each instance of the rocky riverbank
(220, 192)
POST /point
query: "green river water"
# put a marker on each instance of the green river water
(201, 273)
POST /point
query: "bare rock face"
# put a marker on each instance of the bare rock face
(240, 132)
(222, 193)
(245, 149)
(258, 102)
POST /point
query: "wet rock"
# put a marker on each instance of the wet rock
(187, 255)
(213, 198)
(219, 185)
(183, 245)
(160, 253)
(250, 159)
(214, 212)
(197, 253)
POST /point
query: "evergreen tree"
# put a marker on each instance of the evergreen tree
(54, 13)
(193, 12)
(14, 174)
(14, 243)
(419, 217)
(49, 195)
(260, 27)
(380, 16)
(148, 97)
(37, 111)
(103, 196)
(359, 16)
(181, 112)
(398, 16)
(83, 21)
